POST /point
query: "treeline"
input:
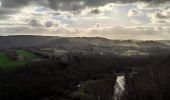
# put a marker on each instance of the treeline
(152, 84)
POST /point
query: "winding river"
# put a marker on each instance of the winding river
(119, 87)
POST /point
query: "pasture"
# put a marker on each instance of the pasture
(9, 64)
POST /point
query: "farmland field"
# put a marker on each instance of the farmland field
(7, 63)
(27, 55)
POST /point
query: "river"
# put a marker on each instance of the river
(119, 87)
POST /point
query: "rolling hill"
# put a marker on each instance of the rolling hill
(7, 42)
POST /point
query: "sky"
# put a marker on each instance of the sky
(113, 19)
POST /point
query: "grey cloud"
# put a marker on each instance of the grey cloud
(70, 5)
(162, 21)
(161, 16)
(133, 12)
(7, 11)
(22, 30)
(18, 30)
(35, 23)
(95, 11)
(48, 24)
(122, 32)
(97, 25)
(4, 13)
(14, 3)
(81, 4)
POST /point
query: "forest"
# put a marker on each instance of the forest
(88, 77)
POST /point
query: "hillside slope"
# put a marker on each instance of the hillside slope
(7, 42)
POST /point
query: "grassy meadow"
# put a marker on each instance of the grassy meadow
(27, 55)
(9, 64)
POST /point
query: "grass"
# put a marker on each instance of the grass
(7, 63)
(27, 55)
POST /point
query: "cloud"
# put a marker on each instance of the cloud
(18, 30)
(78, 18)
(5, 13)
(52, 25)
(70, 5)
(136, 22)
(49, 24)
(160, 17)
(14, 3)
(123, 32)
(25, 30)
(95, 11)
(97, 25)
(134, 12)
(35, 23)
(46, 24)
(81, 4)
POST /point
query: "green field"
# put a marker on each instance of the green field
(9, 64)
(6, 63)
(27, 55)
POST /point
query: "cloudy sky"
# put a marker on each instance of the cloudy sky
(114, 19)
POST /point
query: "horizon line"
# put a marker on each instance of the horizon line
(89, 37)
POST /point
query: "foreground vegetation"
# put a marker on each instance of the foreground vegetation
(88, 77)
